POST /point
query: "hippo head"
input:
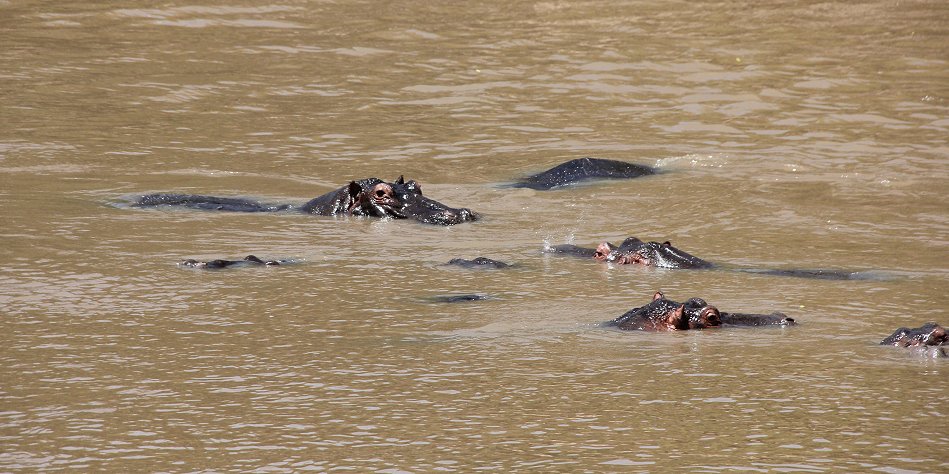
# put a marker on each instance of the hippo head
(938, 336)
(929, 334)
(701, 315)
(653, 254)
(632, 252)
(402, 200)
(693, 314)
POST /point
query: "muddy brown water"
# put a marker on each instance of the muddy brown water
(790, 135)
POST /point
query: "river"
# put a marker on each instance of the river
(790, 134)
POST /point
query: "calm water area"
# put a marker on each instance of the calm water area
(789, 135)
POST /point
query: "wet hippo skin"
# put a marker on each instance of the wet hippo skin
(249, 260)
(477, 262)
(929, 334)
(583, 169)
(458, 298)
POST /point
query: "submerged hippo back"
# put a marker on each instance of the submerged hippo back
(478, 262)
(583, 169)
(208, 203)
(749, 319)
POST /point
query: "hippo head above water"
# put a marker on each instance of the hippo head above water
(398, 199)
(662, 314)
(929, 334)
(650, 254)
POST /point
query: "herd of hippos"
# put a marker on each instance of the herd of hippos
(402, 199)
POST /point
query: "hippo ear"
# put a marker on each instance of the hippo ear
(675, 318)
(354, 189)
(400, 180)
(657, 296)
(667, 244)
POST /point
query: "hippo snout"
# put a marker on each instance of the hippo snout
(454, 216)
(447, 216)
(466, 215)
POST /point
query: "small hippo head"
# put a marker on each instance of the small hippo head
(653, 254)
(634, 252)
(402, 200)
(693, 314)
(929, 334)
(701, 315)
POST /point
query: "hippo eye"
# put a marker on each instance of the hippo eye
(712, 316)
(380, 193)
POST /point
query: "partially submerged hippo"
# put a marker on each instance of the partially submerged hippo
(463, 298)
(583, 169)
(664, 255)
(929, 334)
(365, 197)
(249, 260)
(662, 314)
(477, 262)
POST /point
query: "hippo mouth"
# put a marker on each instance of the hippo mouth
(429, 211)
(449, 217)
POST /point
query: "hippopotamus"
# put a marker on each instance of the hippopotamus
(478, 262)
(635, 251)
(249, 260)
(583, 169)
(662, 314)
(929, 334)
(464, 298)
(664, 255)
(365, 197)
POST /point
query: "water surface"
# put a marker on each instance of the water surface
(790, 135)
